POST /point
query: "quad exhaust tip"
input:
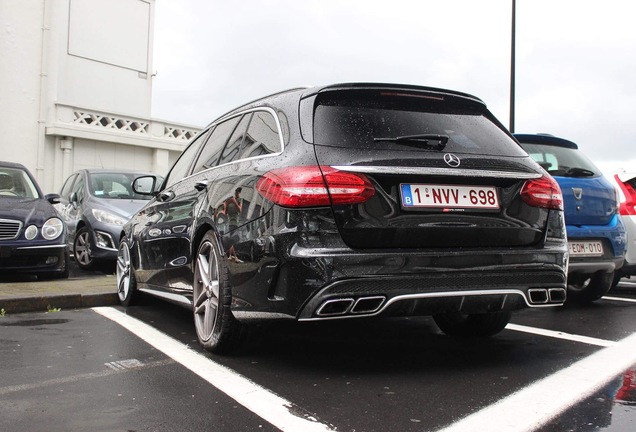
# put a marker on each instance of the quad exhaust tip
(367, 305)
(557, 295)
(350, 306)
(538, 296)
(370, 305)
(543, 296)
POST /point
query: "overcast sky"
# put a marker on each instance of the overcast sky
(576, 59)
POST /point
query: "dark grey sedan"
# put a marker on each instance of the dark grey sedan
(95, 204)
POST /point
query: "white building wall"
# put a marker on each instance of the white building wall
(106, 55)
(21, 31)
(98, 154)
(76, 89)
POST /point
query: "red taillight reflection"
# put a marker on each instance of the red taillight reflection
(308, 186)
(543, 192)
(627, 207)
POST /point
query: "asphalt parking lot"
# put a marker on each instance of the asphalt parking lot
(108, 368)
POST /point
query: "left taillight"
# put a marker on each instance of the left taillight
(314, 186)
(543, 192)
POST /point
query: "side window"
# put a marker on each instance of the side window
(232, 150)
(181, 166)
(68, 184)
(212, 150)
(78, 188)
(262, 136)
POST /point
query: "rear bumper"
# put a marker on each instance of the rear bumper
(628, 269)
(433, 294)
(613, 234)
(630, 255)
(614, 238)
(332, 283)
(593, 266)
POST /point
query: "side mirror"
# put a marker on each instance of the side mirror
(145, 185)
(52, 198)
(73, 199)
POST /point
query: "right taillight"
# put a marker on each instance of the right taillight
(543, 192)
(627, 197)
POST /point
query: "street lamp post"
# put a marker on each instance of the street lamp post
(512, 69)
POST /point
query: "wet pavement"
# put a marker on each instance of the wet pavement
(69, 368)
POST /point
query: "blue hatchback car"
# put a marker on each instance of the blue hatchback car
(596, 235)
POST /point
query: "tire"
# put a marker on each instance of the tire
(217, 329)
(587, 290)
(82, 249)
(126, 282)
(472, 325)
(618, 275)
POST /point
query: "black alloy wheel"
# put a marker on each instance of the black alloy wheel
(126, 282)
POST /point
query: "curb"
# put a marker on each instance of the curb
(65, 301)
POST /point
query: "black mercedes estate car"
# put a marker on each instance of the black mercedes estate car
(350, 201)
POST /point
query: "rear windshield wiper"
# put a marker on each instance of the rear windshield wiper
(579, 172)
(420, 139)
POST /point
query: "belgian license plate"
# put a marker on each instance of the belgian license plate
(585, 248)
(449, 196)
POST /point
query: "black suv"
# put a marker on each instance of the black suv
(350, 201)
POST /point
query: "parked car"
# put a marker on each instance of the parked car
(596, 234)
(350, 201)
(32, 236)
(95, 204)
(626, 184)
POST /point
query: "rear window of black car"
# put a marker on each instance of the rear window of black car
(362, 119)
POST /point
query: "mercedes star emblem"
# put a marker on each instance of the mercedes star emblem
(451, 160)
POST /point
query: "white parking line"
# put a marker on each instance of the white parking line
(619, 299)
(561, 335)
(267, 405)
(536, 405)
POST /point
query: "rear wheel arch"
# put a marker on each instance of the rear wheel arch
(197, 238)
